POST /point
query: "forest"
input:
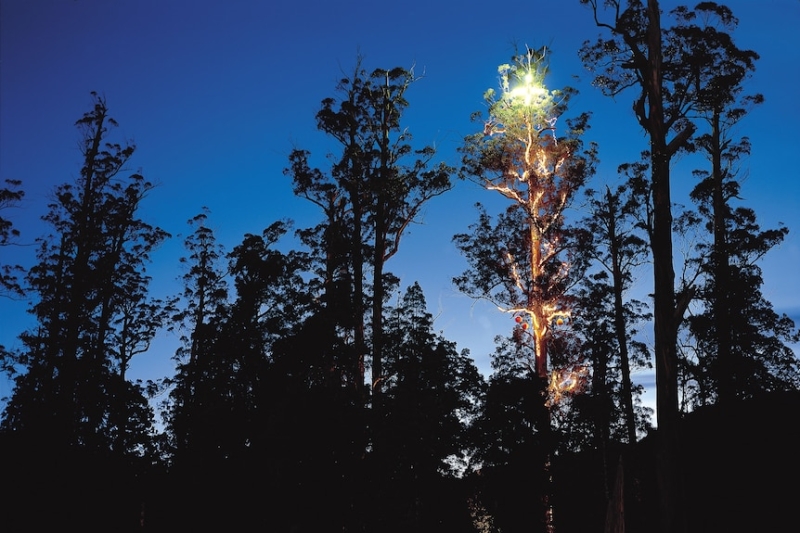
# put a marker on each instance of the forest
(308, 397)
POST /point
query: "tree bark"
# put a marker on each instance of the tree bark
(664, 311)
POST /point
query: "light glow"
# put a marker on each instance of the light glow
(566, 382)
(528, 91)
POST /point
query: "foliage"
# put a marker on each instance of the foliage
(10, 196)
(91, 308)
(611, 248)
(375, 189)
(270, 412)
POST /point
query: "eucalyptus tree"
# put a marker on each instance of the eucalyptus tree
(379, 185)
(741, 343)
(741, 347)
(204, 307)
(614, 246)
(10, 196)
(673, 72)
(520, 262)
(89, 280)
(633, 56)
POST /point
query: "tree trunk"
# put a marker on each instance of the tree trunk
(720, 260)
(619, 320)
(615, 512)
(664, 311)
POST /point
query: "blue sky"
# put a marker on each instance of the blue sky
(215, 94)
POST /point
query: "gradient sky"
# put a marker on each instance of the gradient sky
(215, 94)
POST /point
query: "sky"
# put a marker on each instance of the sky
(216, 93)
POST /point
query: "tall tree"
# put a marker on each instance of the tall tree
(399, 188)
(669, 67)
(376, 188)
(520, 263)
(740, 348)
(89, 277)
(205, 297)
(613, 243)
(612, 246)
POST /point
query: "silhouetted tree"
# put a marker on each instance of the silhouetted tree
(399, 189)
(238, 396)
(73, 413)
(375, 189)
(614, 248)
(432, 394)
(739, 340)
(195, 387)
(670, 68)
(89, 277)
(10, 196)
(508, 482)
(741, 345)
(10, 287)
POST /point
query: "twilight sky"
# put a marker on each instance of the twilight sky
(216, 93)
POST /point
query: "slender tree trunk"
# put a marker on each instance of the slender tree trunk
(664, 310)
(358, 292)
(724, 362)
(377, 324)
(615, 512)
(66, 342)
(381, 190)
(619, 321)
(624, 357)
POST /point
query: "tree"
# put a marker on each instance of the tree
(399, 190)
(665, 65)
(73, 413)
(10, 196)
(205, 296)
(432, 394)
(520, 263)
(738, 337)
(89, 277)
(239, 396)
(372, 194)
(741, 346)
(612, 243)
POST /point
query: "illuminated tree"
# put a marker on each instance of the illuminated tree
(521, 262)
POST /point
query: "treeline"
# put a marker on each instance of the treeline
(312, 391)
